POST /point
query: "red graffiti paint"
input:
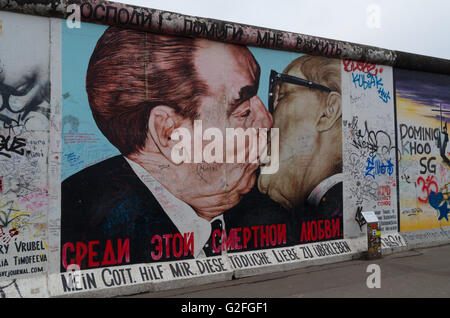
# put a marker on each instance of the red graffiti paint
(13, 232)
(5, 238)
(384, 195)
(427, 186)
(368, 68)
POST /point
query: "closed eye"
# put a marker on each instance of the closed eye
(280, 97)
(243, 110)
(246, 113)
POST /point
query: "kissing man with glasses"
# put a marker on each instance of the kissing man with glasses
(305, 102)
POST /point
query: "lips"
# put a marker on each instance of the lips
(264, 155)
(264, 158)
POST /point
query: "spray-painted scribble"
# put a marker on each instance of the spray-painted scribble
(369, 147)
(374, 141)
(4, 289)
(10, 145)
(359, 218)
(378, 167)
(25, 97)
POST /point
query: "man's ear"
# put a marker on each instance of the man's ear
(161, 124)
(331, 112)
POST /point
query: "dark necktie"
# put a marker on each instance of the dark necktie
(208, 248)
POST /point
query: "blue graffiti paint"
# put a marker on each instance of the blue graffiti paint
(369, 81)
(123, 214)
(384, 96)
(435, 200)
(73, 159)
(377, 167)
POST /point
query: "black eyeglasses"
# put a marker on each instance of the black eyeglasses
(279, 77)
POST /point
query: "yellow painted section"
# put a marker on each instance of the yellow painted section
(424, 216)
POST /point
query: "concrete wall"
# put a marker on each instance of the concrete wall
(422, 112)
(93, 203)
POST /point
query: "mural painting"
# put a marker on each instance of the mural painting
(423, 111)
(127, 198)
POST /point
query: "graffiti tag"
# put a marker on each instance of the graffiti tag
(11, 146)
(377, 167)
(426, 187)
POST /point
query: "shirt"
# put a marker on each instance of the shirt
(317, 194)
(180, 213)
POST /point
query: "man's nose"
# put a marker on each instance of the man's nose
(263, 119)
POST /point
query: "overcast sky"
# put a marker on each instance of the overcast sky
(416, 26)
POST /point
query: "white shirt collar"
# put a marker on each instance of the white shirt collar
(180, 213)
(317, 194)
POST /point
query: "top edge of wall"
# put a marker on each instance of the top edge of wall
(165, 22)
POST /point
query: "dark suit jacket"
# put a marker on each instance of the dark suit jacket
(108, 202)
